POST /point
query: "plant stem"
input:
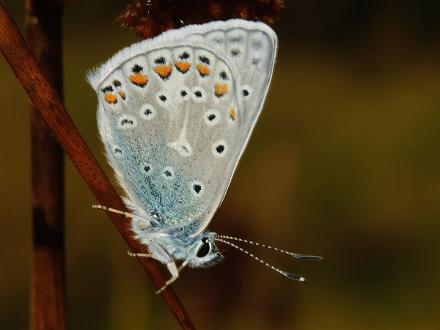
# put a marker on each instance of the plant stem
(44, 34)
(48, 104)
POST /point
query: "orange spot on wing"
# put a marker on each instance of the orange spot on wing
(110, 98)
(139, 79)
(233, 113)
(183, 66)
(164, 71)
(220, 89)
(122, 94)
(203, 69)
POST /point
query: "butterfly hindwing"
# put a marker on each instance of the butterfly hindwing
(174, 120)
(172, 140)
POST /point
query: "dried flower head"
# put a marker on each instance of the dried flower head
(148, 18)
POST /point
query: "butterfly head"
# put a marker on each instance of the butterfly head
(203, 252)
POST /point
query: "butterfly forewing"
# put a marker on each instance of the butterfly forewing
(174, 117)
(251, 48)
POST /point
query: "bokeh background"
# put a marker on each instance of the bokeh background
(343, 163)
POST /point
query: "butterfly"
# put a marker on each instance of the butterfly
(175, 114)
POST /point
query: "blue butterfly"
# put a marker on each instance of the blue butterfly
(175, 114)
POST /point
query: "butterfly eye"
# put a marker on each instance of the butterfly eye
(204, 249)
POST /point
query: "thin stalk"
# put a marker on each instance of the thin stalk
(44, 34)
(47, 102)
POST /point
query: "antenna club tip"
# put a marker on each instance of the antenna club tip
(302, 279)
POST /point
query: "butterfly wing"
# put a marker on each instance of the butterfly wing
(174, 119)
(251, 49)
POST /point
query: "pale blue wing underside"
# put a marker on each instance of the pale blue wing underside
(175, 114)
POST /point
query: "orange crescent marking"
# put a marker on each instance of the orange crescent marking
(183, 66)
(139, 79)
(203, 69)
(164, 71)
(220, 89)
(110, 98)
(233, 113)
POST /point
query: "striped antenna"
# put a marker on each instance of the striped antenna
(292, 254)
(282, 272)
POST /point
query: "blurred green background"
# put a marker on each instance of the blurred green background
(343, 163)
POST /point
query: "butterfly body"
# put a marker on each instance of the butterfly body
(175, 114)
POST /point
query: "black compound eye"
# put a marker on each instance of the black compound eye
(204, 249)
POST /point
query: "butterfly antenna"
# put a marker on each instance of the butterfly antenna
(292, 254)
(282, 272)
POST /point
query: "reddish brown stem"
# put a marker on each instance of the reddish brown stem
(44, 34)
(47, 102)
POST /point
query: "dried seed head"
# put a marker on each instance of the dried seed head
(148, 18)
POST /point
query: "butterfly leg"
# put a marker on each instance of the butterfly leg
(174, 271)
(142, 255)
